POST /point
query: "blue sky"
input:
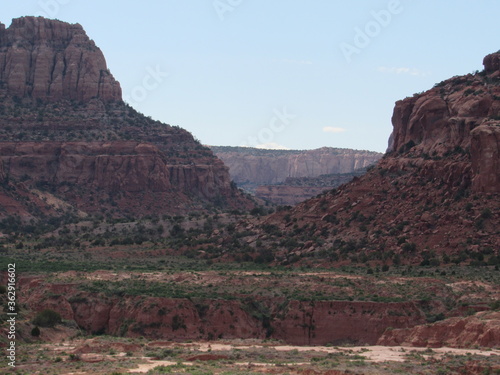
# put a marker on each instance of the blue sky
(298, 74)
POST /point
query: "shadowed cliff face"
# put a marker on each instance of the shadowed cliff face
(66, 131)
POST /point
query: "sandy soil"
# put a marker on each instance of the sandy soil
(372, 353)
(376, 354)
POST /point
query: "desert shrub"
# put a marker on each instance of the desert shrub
(486, 213)
(35, 332)
(47, 318)
(178, 323)
(409, 246)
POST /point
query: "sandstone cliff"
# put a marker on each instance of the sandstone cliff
(52, 60)
(287, 177)
(294, 322)
(65, 130)
(251, 167)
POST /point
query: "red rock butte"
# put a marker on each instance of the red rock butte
(53, 60)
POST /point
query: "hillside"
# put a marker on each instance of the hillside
(70, 145)
(433, 199)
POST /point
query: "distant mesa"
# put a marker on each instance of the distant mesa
(287, 177)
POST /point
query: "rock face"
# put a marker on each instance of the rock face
(485, 157)
(295, 322)
(255, 167)
(492, 63)
(482, 329)
(442, 121)
(287, 177)
(66, 132)
(295, 189)
(52, 60)
(120, 169)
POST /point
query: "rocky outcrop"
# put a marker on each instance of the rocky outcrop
(52, 60)
(441, 121)
(297, 189)
(250, 167)
(342, 322)
(482, 329)
(287, 177)
(492, 63)
(485, 157)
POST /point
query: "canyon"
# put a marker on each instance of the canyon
(155, 242)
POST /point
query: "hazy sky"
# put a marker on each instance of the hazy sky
(300, 74)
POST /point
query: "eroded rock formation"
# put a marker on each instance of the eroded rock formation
(53, 60)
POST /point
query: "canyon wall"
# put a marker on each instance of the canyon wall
(294, 322)
(254, 167)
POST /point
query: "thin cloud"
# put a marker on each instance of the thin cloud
(331, 129)
(403, 70)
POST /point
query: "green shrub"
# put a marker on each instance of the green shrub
(409, 246)
(495, 305)
(178, 323)
(35, 332)
(47, 318)
(486, 213)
